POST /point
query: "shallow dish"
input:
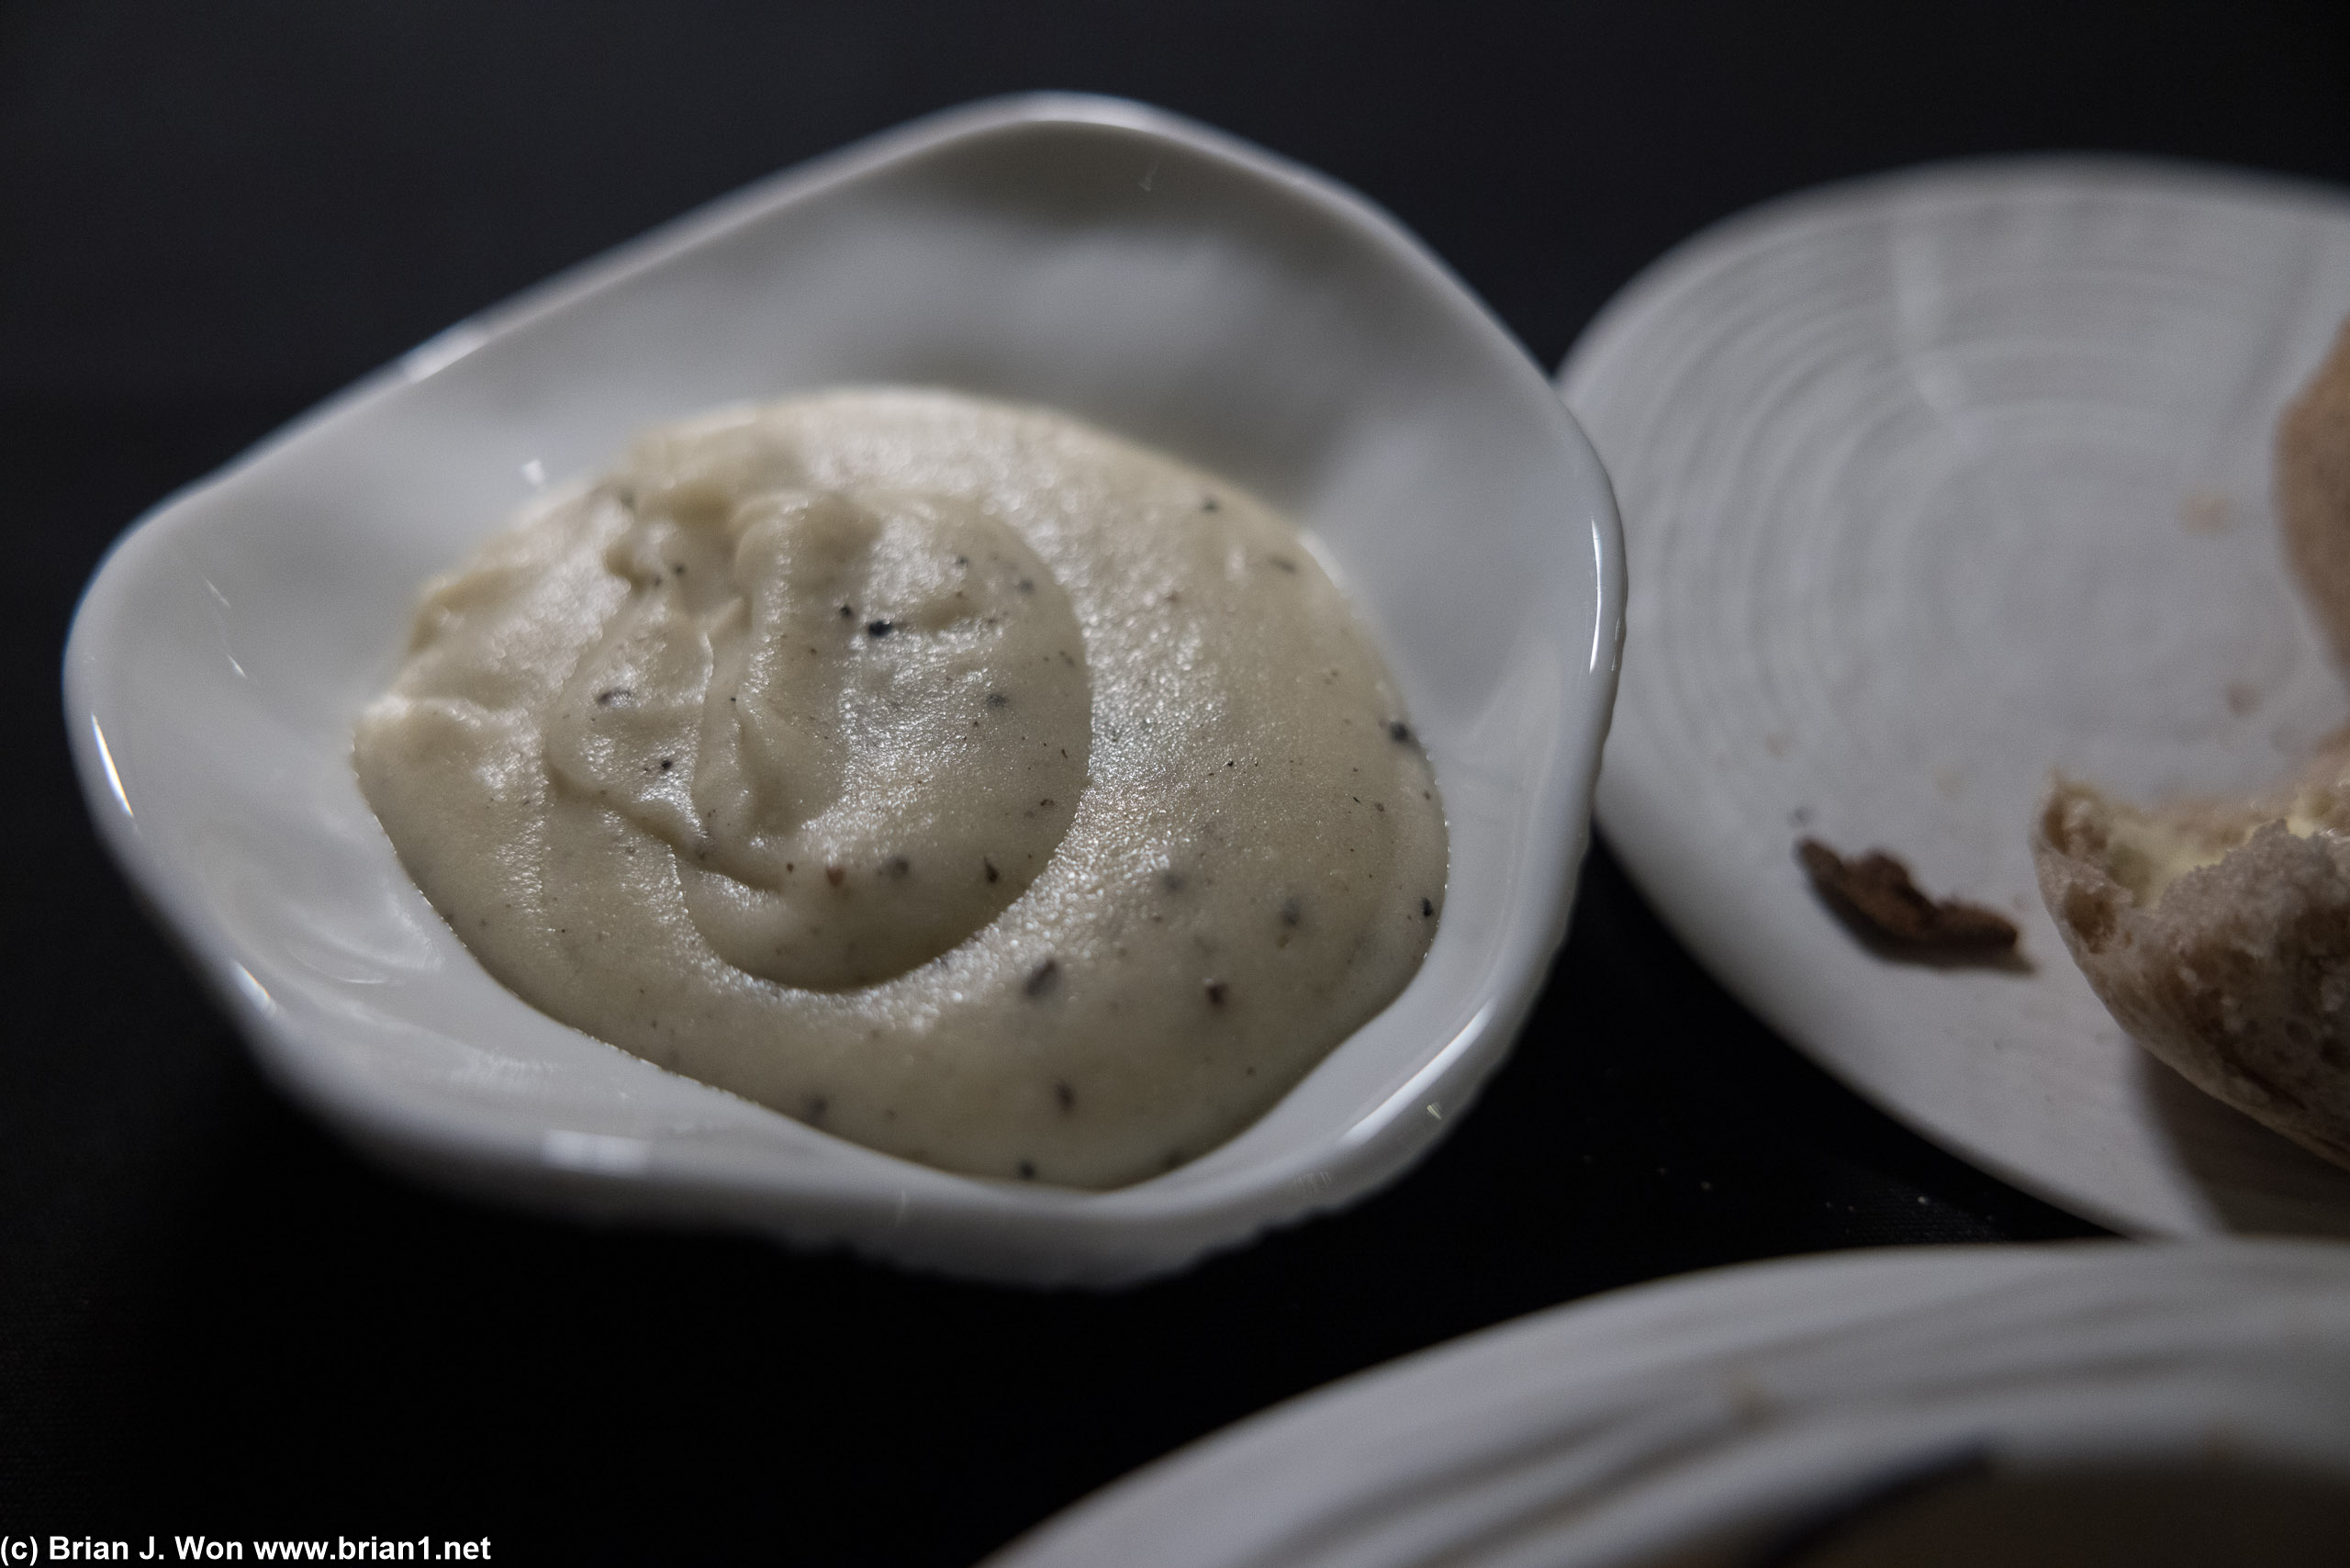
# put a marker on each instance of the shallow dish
(1147, 275)
(1736, 1418)
(1935, 483)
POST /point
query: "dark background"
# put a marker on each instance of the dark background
(214, 1317)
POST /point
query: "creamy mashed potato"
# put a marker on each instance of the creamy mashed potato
(946, 774)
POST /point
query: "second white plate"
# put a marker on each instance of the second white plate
(1931, 484)
(1725, 1419)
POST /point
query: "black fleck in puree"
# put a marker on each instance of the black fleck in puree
(950, 774)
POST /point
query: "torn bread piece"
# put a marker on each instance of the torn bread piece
(2217, 935)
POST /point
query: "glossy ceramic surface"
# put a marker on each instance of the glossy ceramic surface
(1933, 484)
(1150, 275)
(1701, 1421)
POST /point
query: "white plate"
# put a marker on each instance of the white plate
(1143, 273)
(1702, 1420)
(1934, 483)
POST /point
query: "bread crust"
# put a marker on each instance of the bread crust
(2237, 974)
(2314, 492)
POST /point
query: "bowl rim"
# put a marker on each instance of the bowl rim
(1107, 1238)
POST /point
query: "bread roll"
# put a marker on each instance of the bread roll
(2314, 492)
(2217, 933)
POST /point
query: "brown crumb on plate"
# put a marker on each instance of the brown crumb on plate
(1874, 895)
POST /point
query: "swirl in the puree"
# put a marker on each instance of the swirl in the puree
(948, 775)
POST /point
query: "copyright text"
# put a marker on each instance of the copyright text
(29, 1549)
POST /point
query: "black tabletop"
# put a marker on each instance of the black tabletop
(214, 1317)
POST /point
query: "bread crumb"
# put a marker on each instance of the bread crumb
(1875, 893)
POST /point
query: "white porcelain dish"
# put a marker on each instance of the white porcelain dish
(1709, 1420)
(1150, 275)
(1932, 484)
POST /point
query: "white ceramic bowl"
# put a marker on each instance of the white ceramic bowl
(1718, 1421)
(1145, 273)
